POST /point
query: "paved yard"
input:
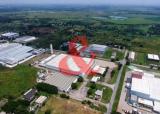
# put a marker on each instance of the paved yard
(104, 63)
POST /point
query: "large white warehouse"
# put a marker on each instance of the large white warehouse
(74, 64)
(12, 54)
(145, 91)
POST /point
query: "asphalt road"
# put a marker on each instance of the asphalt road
(109, 109)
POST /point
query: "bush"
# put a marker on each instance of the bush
(74, 85)
(80, 79)
(48, 112)
(93, 86)
(64, 96)
(47, 88)
(17, 107)
(90, 92)
(112, 73)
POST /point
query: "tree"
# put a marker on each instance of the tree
(74, 86)
(93, 86)
(48, 111)
(90, 92)
(47, 88)
(112, 73)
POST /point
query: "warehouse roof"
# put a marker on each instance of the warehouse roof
(96, 47)
(8, 34)
(14, 53)
(25, 39)
(55, 62)
(61, 81)
(148, 85)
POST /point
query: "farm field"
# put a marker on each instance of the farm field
(14, 82)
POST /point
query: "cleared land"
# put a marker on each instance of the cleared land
(15, 81)
(63, 106)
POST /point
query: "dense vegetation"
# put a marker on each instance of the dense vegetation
(139, 30)
(47, 88)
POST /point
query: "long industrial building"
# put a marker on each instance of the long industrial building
(145, 90)
(55, 62)
(12, 54)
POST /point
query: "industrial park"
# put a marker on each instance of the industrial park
(79, 60)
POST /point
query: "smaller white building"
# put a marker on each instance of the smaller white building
(131, 56)
(153, 57)
(40, 101)
(95, 79)
(25, 39)
(10, 35)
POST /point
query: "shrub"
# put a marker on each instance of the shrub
(74, 86)
(47, 88)
(93, 86)
(90, 92)
(48, 111)
(64, 96)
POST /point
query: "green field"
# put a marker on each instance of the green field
(14, 82)
(107, 92)
(108, 54)
(114, 78)
(141, 59)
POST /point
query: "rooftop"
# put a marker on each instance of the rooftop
(59, 62)
(25, 39)
(148, 86)
(61, 81)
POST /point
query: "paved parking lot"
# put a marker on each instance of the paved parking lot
(104, 63)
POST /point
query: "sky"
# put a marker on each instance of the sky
(86, 2)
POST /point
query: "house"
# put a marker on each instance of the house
(98, 94)
(9, 36)
(131, 56)
(95, 79)
(40, 101)
(153, 57)
(30, 95)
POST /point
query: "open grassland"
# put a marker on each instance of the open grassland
(141, 58)
(151, 45)
(63, 106)
(108, 54)
(136, 20)
(15, 81)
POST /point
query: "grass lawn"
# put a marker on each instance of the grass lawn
(62, 106)
(15, 81)
(108, 54)
(118, 93)
(107, 93)
(114, 78)
(141, 58)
